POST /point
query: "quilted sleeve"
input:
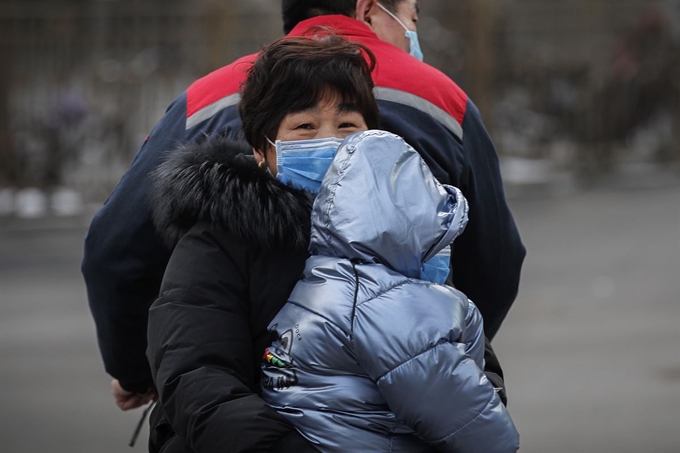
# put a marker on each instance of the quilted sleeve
(407, 341)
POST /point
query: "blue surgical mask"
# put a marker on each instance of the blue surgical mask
(414, 47)
(436, 269)
(304, 163)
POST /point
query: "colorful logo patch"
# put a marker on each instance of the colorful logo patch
(271, 359)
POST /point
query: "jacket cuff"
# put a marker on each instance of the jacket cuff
(139, 386)
(499, 385)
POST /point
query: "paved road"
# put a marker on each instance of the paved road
(591, 348)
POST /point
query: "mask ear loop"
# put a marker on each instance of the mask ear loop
(393, 16)
(414, 49)
(263, 162)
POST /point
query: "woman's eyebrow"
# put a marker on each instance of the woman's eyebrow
(345, 107)
(310, 109)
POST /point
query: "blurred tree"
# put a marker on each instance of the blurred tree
(216, 15)
(7, 157)
(482, 58)
(476, 23)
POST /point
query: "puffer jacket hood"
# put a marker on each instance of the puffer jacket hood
(358, 216)
(220, 182)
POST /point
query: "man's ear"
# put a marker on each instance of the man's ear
(365, 10)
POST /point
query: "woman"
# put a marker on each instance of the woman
(240, 227)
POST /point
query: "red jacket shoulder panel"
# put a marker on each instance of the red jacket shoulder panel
(217, 85)
(395, 70)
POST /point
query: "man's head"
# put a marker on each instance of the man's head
(394, 21)
(294, 11)
(380, 20)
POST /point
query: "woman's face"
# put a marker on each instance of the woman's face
(328, 118)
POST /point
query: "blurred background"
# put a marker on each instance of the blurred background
(581, 97)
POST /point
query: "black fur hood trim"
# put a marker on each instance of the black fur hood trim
(218, 181)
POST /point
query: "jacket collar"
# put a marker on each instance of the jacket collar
(217, 181)
(341, 25)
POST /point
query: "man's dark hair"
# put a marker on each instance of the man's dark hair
(294, 74)
(294, 11)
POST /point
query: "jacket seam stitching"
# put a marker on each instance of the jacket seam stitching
(349, 335)
(439, 343)
(354, 302)
(445, 438)
(386, 290)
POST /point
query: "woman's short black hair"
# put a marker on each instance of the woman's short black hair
(294, 74)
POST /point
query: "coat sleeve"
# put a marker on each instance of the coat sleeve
(490, 249)
(201, 350)
(429, 380)
(124, 259)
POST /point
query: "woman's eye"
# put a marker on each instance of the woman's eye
(347, 125)
(305, 126)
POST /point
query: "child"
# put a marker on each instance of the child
(369, 356)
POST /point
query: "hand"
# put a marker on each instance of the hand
(129, 400)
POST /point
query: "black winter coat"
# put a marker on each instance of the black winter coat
(240, 240)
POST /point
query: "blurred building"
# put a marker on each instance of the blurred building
(577, 84)
(82, 82)
(572, 87)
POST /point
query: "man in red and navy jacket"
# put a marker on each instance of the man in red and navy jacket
(125, 259)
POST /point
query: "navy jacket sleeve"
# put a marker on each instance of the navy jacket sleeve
(124, 259)
(124, 256)
(487, 258)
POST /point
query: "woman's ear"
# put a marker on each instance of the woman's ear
(259, 157)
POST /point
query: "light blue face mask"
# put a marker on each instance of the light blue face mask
(437, 268)
(414, 47)
(304, 163)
